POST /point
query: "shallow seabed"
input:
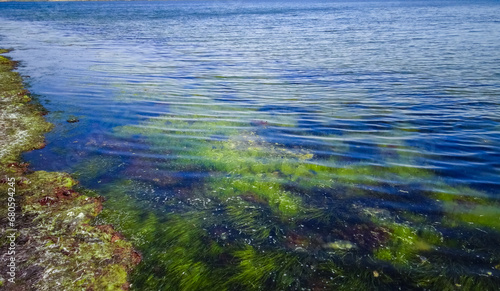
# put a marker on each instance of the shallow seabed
(279, 145)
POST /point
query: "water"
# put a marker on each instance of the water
(278, 145)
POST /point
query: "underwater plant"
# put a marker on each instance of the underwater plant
(246, 213)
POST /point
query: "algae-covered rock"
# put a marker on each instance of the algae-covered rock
(49, 236)
(21, 124)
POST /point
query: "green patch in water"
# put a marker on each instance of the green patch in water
(468, 207)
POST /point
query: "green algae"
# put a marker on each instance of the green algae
(406, 243)
(246, 158)
(186, 266)
(178, 249)
(254, 166)
(93, 168)
(250, 178)
(192, 251)
(250, 207)
(468, 207)
(281, 202)
(248, 219)
(414, 250)
(256, 269)
(22, 123)
(112, 279)
(189, 251)
(126, 213)
(460, 283)
(53, 179)
(198, 250)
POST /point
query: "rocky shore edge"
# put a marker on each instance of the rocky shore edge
(48, 241)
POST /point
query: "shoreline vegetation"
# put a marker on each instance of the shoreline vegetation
(47, 239)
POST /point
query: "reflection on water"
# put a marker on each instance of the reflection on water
(279, 146)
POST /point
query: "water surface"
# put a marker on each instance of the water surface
(278, 145)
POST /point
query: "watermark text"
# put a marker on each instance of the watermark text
(11, 230)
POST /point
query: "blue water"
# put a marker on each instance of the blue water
(378, 117)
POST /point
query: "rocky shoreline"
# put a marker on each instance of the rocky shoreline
(47, 240)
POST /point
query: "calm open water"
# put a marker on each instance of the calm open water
(265, 145)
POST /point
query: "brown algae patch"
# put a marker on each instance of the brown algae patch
(56, 247)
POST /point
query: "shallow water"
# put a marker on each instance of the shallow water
(278, 145)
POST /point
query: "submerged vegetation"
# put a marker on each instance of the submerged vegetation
(55, 247)
(220, 205)
(228, 209)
